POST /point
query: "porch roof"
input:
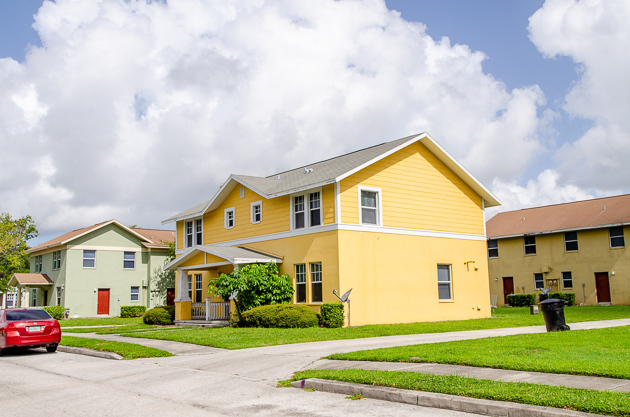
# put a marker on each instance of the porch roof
(30, 280)
(232, 254)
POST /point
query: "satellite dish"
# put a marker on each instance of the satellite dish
(545, 291)
(344, 297)
(234, 295)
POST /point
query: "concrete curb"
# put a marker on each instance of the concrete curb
(435, 400)
(89, 352)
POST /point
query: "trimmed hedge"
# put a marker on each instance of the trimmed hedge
(280, 316)
(569, 297)
(171, 311)
(521, 300)
(132, 311)
(331, 315)
(57, 312)
(157, 315)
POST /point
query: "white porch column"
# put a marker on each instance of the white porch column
(182, 285)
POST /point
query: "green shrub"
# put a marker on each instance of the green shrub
(569, 297)
(521, 300)
(280, 316)
(171, 311)
(331, 315)
(56, 312)
(157, 315)
(132, 311)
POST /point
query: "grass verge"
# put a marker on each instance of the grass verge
(600, 352)
(113, 329)
(590, 401)
(231, 338)
(99, 321)
(126, 350)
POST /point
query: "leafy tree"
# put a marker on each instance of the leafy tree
(162, 280)
(14, 233)
(257, 285)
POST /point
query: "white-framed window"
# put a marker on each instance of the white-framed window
(493, 248)
(129, 260)
(190, 286)
(89, 258)
(135, 293)
(256, 212)
(188, 232)
(445, 284)
(530, 245)
(199, 232)
(567, 279)
(33, 297)
(56, 260)
(316, 282)
(306, 210)
(10, 300)
(58, 296)
(370, 207)
(616, 237)
(38, 263)
(242, 192)
(570, 241)
(300, 283)
(539, 281)
(198, 288)
(229, 218)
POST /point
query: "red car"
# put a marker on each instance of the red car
(28, 327)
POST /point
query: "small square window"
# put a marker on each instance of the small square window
(89, 259)
(539, 282)
(256, 212)
(129, 261)
(300, 283)
(135, 293)
(567, 280)
(493, 249)
(445, 290)
(616, 237)
(229, 218)
(530, 245)
(570, 241)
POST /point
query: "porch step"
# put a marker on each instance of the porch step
(202, 323)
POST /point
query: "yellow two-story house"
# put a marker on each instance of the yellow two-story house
(401, 224)
(577, 247)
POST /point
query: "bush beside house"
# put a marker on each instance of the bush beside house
(331, 315)
(280, 316)
(132, 311)
(158, 315)
(521, 300)
(569, 297)
(57, 312)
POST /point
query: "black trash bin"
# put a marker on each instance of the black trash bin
(553, 313)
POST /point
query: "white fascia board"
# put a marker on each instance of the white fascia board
(381, 156)
(128, 229)
(184, 256)
(549, 232)
(303, 188)
(209, 265)
(253, 261)
(490, 199)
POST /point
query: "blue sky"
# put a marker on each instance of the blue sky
(107, 118)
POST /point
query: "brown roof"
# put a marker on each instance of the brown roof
(30, 280)
(152, 237)
(600, 212)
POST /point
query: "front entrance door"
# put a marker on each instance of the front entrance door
(603, 287)
(103, 301)
(45, 298)
(170, 296)
(508, 288)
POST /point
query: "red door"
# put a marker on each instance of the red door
(603, 287)
(103, 301)
(170, 296)
(508, 288)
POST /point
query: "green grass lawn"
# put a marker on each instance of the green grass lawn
(600, 352)
(590, 401)
(231, 338)
(126, 350)
(99, 321)
(113, 329)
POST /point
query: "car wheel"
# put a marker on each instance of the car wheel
(51, 348)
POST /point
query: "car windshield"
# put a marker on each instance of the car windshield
(25, 315)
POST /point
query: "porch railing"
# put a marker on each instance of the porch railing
(210, 311)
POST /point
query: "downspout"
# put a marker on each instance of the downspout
(147, 293)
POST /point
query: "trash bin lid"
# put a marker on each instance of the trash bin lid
(551, 301)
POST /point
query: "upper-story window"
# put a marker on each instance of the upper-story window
(530, 245)
(56, 260)
(370, 206)
(199, 232)
(570, 241)
(616, 237)
(129, 260)
(38, 263)
(229, 218)
(256, 212)
(188, 231)
(89, 259)
(307, 216)
(193, 233)
(493, 249)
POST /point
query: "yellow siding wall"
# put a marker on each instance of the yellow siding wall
(180, 234)
(394, 277)
(418, 192)
(328, 203)
(594, 255)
